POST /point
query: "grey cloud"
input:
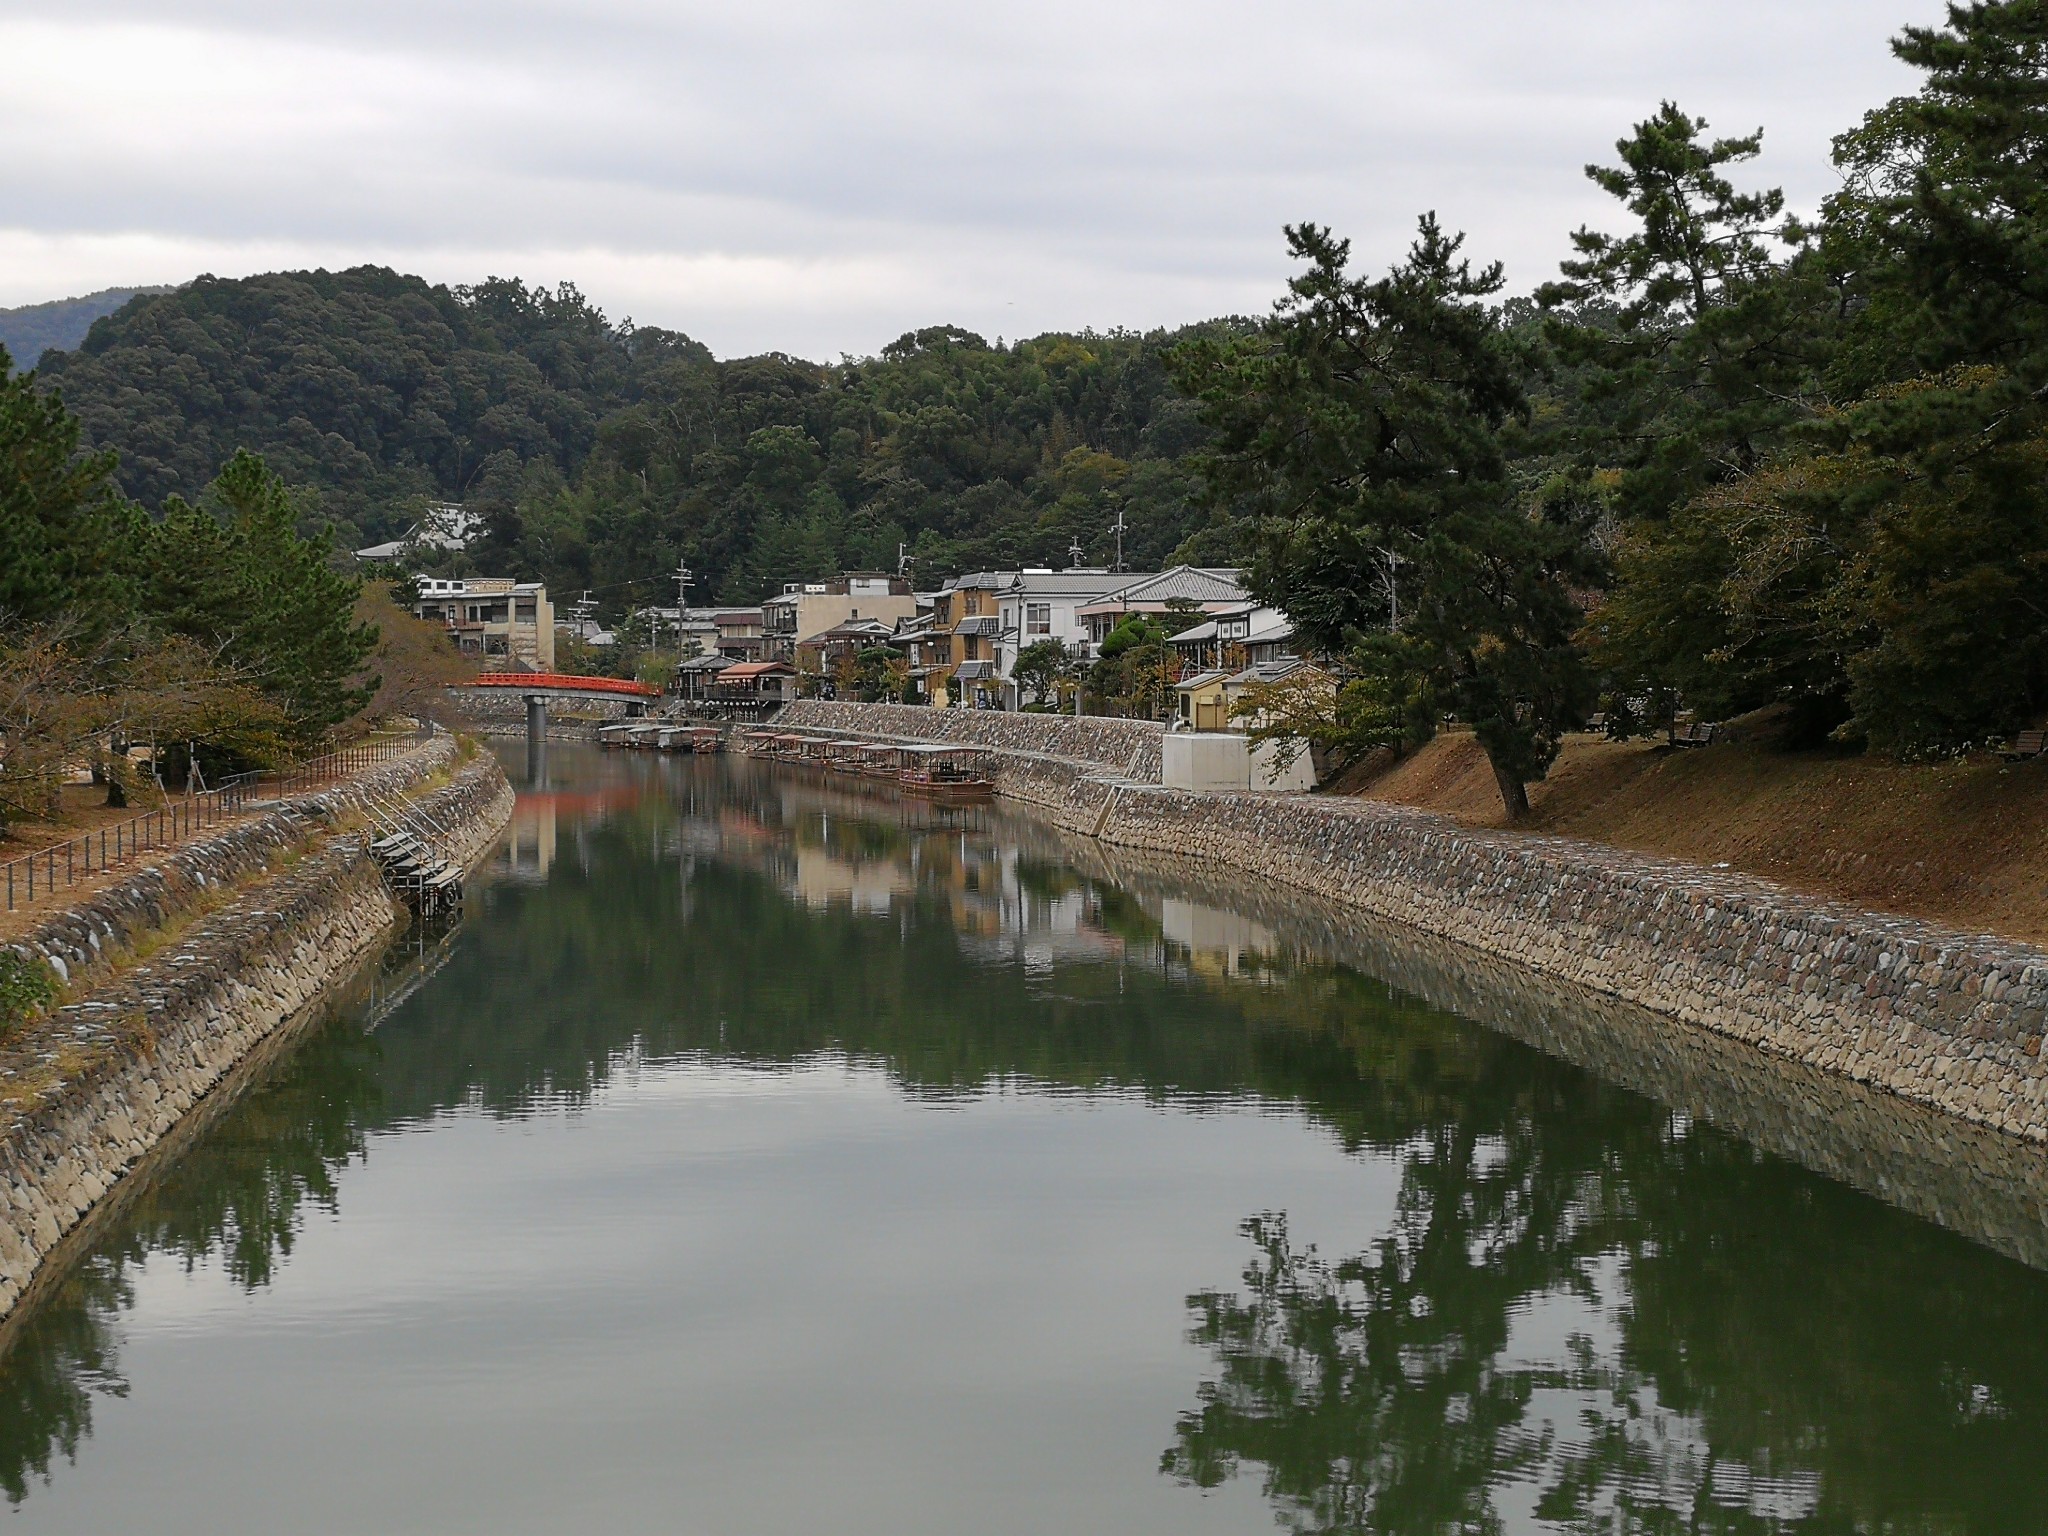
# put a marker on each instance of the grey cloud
(1032, 166)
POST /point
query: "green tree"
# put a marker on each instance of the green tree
(1367, 431)
(1879, 571)
(1693, 336)
(236, 573)
(66, 532)
(1039, 668)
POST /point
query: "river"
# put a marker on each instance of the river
(763, 1155)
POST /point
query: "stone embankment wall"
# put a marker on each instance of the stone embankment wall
(485, 708)
(276, 915)
(1129, 748)
(1966, 1177)
(1951, 1020)
(87, 938)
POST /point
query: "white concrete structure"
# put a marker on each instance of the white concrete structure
(1205, 760)
(1296, 777)
(1210, 761)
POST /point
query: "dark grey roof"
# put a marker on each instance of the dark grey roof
(1272, 634)
(975, 671)
(980, 624)
(1270, 671)
(1200, 584)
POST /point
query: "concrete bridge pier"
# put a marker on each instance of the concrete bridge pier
(536, 738)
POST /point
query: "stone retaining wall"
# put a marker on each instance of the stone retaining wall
(1951, 1020)
(507, 706)
(1943, 1018)
(1968, 1178)
(90, 1089)
(1126, 747)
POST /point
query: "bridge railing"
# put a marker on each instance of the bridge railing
(563, 682)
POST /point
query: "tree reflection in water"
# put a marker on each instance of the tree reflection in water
(1583, 1311)
(1672, 1335)
(238, 1195)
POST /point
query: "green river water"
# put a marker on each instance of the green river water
(767, 1156)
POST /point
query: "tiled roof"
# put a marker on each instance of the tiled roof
(849, 629)
(1199, 584)
(1069, 583)
(980, 624)
(1272, 634)
(974, 671)
(1270, 671)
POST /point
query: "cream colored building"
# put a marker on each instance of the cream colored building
(806, 609)
(502, 621)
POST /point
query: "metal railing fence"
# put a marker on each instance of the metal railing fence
(342, 763)
(47, 870)
(61, 864)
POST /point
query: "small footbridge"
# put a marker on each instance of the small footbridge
(539, 687)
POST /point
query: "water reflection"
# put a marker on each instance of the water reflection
(1585, 1311)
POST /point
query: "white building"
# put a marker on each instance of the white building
(493, 617)
(445, 529)
(1039, 604)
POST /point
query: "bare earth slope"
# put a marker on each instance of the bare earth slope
(1964, 844)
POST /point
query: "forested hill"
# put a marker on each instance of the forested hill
(603, 453)
(33, 329)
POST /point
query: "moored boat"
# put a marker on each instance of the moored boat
(949, 775)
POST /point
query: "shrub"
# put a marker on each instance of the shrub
(27, 987)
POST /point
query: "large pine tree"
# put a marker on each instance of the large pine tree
(1366, 433)
(65, 529)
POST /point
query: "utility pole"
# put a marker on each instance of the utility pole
(1119, 537)
(1393, 564)
(685, 579)
(904, 561)
(1075, 555)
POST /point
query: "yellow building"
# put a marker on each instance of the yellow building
(1203, 704)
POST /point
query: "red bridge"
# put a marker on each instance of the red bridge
(562, 684)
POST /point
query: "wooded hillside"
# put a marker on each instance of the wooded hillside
(602, 453)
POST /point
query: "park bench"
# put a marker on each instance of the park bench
(1700, 734)
(2026, 744)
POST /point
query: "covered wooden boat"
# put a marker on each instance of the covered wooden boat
(879, 759)
(949, 775)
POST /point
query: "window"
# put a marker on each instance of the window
(1038, 618)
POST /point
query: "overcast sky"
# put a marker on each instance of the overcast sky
(816, 178)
